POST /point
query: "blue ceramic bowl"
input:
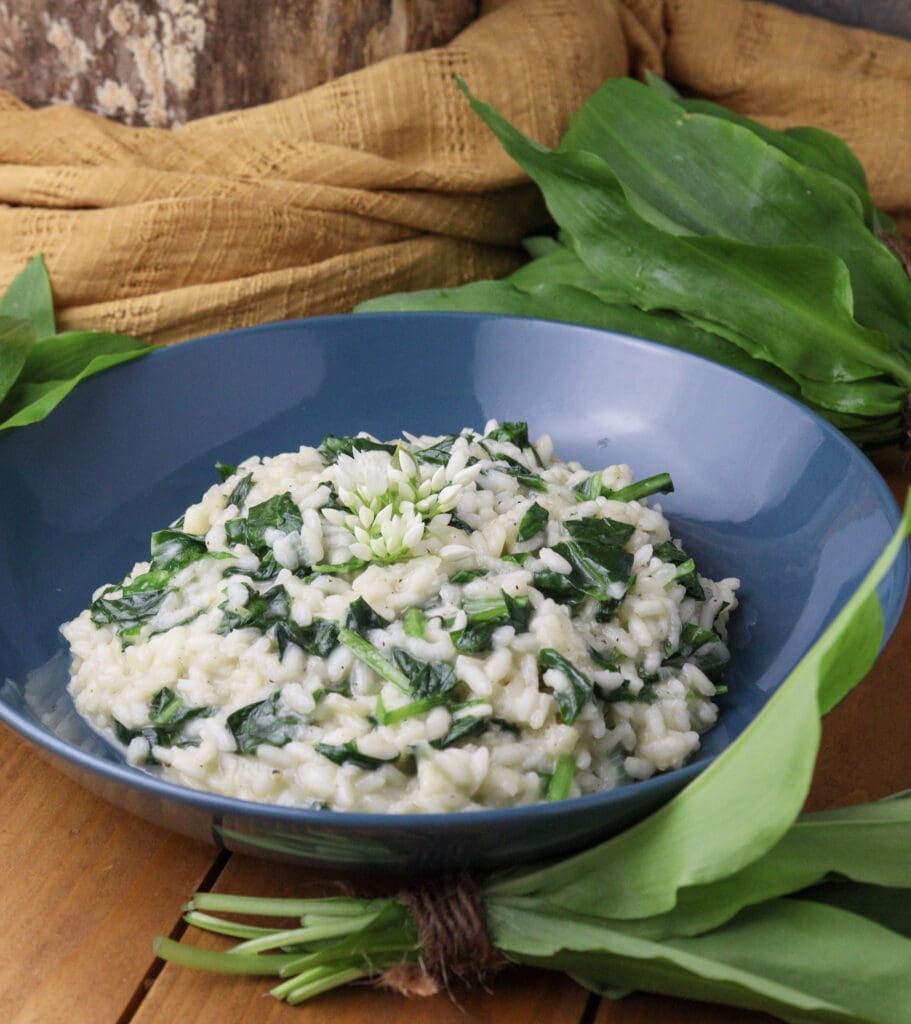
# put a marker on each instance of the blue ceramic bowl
(764, 490)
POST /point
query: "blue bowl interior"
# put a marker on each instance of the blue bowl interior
(765, 491)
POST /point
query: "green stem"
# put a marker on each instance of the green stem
(368, 945)
(562, 778)
(364, 651)
(642, 488)
(218, 925)
(220, 963)
(296, 936)
(327, 981)
(261, 906)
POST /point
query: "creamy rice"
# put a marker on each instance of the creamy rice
(434, 624)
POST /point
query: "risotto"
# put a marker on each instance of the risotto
(430, 624)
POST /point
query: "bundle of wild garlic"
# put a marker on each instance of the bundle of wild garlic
(728, 894)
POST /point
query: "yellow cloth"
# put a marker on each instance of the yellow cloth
(384, 180)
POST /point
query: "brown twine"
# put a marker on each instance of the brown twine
(455, 944)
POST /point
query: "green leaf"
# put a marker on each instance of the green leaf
(29, 296)
(812, 147)
(800, 961)
(348, 753)
(425, 678)
(513, 432)
(534, 521)
(136, 604)
(173, 550)
(414, 622)
(716, 177)
(600, 571)
(30, 402)
(262, 611)
(260, 723)
(331, 447)
(867, 844)
(168, 712)
(771, 298)
(578, 691)
(276, 513)
(67, 355)
(438, 453)
(461, 729)
(745, 801)
(669, 552)
(486, 615)
(17, 338)
(320, 637)
(238, 495)
(362, 617)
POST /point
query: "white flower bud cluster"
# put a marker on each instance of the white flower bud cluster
(391, 498)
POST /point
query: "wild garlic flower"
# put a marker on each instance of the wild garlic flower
(391, 497)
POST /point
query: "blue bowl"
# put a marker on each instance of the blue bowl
(765, 490)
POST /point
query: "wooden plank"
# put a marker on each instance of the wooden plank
(517, 995)
(85, 889)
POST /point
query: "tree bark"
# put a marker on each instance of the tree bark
(163, 62)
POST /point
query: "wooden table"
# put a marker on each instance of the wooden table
(86, 887)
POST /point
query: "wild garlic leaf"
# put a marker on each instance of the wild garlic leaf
(438, 453)
(169, 713)
(425, 678)
(867, 843)
(279, 512)
(513, 432)
(533, 522)
(262, 611)
(238, 495)
(362, 617)
(461, 729)
(578, 691)
(129, 606)
(777, 957)
(414, 622)
(669, 552)
(65, 356)
(173, 550)
(320, 637)
(28, 401)
(348, 753)
(331, 447)
(17, 338)
(486, 615)
(724, 169)
(601, 571)
(28, 296)
(261, 723)
(768, 297)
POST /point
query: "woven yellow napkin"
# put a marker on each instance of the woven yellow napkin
(383, 180)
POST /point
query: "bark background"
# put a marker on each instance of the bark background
(163, 62)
